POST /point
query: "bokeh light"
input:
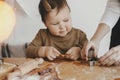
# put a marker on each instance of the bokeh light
(7, 20)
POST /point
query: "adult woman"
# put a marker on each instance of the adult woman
(110, 19)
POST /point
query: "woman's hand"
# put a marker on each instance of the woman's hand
(87, 47)
(73, 53)
(112, 57)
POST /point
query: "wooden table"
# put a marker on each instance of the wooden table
(77, 70)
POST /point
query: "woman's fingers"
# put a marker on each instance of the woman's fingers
(117, 63)
(110, 58)
(102, 59)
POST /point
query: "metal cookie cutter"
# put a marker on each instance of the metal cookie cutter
(91, 58)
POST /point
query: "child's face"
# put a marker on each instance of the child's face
(59, 24)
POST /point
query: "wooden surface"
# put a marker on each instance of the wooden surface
(5, 68)
(9, 65)
(78, 70)
(82, 71)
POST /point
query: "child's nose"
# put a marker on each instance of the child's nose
(62, 25)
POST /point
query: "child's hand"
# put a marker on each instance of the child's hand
(50, 52)
(73, 53)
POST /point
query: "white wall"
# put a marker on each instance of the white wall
(85, 14)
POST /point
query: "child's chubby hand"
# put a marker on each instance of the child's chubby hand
(73, 53)
(50, 52)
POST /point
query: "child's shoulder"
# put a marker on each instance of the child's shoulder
(78, 30)
(43, 33)
(42, 30)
